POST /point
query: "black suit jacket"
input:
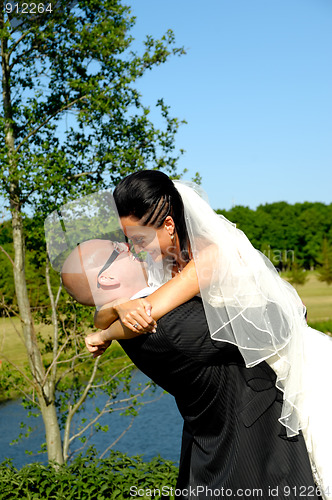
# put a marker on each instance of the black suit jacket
(231, 436)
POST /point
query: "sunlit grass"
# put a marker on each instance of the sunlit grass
(317, 297)
(11, 340)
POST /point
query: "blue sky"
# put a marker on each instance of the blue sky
(255, 88)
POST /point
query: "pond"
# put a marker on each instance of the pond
(156, 430)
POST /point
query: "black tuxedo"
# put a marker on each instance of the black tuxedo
(231, 436)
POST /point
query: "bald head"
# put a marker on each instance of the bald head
(73, 274)
(100, 271)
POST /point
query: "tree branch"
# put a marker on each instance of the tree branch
(113, 376)
(58, 295)
(103, 412)
(106, 409)
(55, 327)
(117, 439)
(27, 379)
(76, 356)
(32, 399)
(7, 309)
(13, 47)
(70, 369)
(57, 112)
(7, 255)
(76, 176)
(110, 403)
(72, 411)
(86, 442)
(87, 387)
(55, 360)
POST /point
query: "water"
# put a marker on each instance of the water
(155, 431)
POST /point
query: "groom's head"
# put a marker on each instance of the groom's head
(100, 271)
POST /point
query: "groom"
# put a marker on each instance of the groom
(232, 442)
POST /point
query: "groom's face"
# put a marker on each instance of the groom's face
(100, 271)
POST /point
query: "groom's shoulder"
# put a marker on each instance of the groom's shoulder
(186, 329)
(190, 313)
(192, 306)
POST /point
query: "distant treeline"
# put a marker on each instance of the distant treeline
(299, 234)
(285, 233)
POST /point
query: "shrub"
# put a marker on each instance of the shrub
(88, 478)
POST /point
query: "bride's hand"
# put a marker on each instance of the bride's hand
(96, 343)
(136, 315)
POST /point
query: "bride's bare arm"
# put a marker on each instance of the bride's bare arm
(140, 314)
(106, 314)
(175, 292)
(183, 287)
(97, 342)
(145, 312)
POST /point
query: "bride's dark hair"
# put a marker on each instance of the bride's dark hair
(150, 196)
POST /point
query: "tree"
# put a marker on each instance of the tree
(72, 121)
(297, 274)
(282, 231)
(325, 269)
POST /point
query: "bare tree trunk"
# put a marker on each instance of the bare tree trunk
(45, 391)
(52, 431)
(44, 388)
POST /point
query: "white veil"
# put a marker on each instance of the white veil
(246, 302)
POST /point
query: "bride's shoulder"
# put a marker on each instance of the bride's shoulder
(205, 246)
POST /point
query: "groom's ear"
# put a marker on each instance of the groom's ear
(169, 225)
(106, 279)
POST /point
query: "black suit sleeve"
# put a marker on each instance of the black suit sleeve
(187, 329)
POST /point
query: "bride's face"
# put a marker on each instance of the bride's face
(157, 242)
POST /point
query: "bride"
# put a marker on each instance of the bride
(191, 250)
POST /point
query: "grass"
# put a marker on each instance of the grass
(317, 297)
(11, 340)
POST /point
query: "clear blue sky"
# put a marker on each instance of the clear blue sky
(256, 90)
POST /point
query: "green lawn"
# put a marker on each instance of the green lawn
(317, 297)
(11, 342)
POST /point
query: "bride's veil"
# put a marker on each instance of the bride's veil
(245, 301)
